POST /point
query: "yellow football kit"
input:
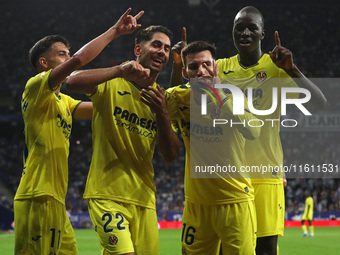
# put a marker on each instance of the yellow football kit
(308, 212)
(308, 215)
(124, 228)
(262, 77)
(48, 124)
(268, 199)
(266, 151)
(214, 197)
(43, 227)
(124, 134)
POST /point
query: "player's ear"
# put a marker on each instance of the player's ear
(184, 73)
(138, 50)
(43, 62)
(263, 34)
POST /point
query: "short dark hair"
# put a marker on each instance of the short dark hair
(146, 34)
(43, 46)
(198, 46)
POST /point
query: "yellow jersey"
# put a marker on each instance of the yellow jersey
(309, 208)
(206, 147)
(48, 124)
(124, 134)
(265, 152)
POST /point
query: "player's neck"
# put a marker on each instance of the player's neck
(249, 58)
(198, 96)
(58, 90)
(144, 83)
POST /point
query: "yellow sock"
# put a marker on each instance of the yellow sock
(311, 229)
(304, 228)
(277, 249)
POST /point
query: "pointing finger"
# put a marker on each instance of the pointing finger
(184, 34)
(277, 39)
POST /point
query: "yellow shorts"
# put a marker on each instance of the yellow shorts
(205, 227)
(42, 227)
(307, 215)
(270, 209)
(123, 228)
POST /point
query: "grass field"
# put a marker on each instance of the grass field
(326, 241)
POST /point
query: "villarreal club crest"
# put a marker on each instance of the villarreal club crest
(113, 240)
(261, 76)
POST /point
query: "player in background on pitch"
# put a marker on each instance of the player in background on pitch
(120, 188)
(41, 222)
(308, 215)
(251, 67)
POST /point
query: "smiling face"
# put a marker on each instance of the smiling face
(154, 54)
(248, 31)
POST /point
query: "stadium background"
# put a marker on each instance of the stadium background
(309, 29)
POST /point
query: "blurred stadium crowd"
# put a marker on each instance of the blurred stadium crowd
(310, 31)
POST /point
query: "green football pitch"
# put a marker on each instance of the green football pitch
(326, 241)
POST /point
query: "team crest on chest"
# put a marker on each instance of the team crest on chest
(261, 76)
(216, 113)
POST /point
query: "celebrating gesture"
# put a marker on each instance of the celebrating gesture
(177, 48)
(281, 56)
(128, 24)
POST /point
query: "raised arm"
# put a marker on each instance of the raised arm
(176, 73)
(125, 25)
(283, 58)
(86, 81)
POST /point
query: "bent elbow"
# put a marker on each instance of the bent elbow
(70, 85)
(79, 60)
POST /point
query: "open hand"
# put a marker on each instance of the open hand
(155, 99)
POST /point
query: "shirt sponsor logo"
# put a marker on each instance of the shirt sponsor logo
(132, 122)
(61, 123)
(135, 119)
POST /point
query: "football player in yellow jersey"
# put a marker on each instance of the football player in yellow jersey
(218, 208)
(308, 215)
(252, 62)
(255, 67)
(42, 226)
(120, 188)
